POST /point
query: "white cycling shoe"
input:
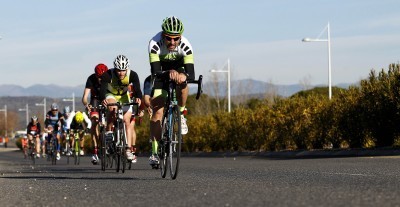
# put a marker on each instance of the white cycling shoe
(184, 127)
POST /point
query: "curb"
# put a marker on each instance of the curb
(301, 154)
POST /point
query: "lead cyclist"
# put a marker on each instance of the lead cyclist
(169, 51)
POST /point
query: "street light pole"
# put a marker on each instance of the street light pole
(72, 100)
(328, 40)
(229, 82)
(44, 107)
(27, 113)
(5, 115)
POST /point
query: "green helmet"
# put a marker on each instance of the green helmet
(172, 26)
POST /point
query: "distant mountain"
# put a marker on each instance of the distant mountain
(52, 90)
(238, 87)
(250, 86)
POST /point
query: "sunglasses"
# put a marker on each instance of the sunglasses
(168, 38)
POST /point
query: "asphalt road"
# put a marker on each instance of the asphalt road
(204, 181)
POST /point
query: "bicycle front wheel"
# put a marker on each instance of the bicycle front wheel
(103, 150)
(175, 145)
(163, 148)
(54, 153)
(77, 151)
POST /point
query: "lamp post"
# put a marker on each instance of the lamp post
(44, 107)
(5, 115)
(229, 82)
(328, 40)
(27, 113)
(72, 100)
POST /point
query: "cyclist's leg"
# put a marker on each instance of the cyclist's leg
(157, 102)
(133, 138)
(81, 134)
(129, 129)
(37, 145)
(43, 144)
(94, 131)
(30, 140)
(72, 139)
(182, 92)
(94, 117)
(24, 143)
(58, 144)
(111, 110)
(58, 136)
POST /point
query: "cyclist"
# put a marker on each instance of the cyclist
(75, 124)
(46, 137)
(171, 52)
(65, 137)
(93, 88)
(33, 131)
(114, 87)
(56, 119)
(153, 160)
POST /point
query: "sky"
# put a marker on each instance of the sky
(60, 42)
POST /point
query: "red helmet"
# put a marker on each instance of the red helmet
(100, 69)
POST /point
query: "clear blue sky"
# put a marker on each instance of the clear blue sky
(60, 42)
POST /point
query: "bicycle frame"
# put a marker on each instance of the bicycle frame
(171, 135)
(77, 145)
(120, 141)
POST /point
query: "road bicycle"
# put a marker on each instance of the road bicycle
(107, 155)
(31, 150)
(102, 138)
(170, 146)
(67, 148)
(51, 148)
(119, 139)
(76, 146)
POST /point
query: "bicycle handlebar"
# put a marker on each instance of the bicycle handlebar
(122, 104)
(199, 82)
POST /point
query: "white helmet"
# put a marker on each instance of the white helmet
(121, 62)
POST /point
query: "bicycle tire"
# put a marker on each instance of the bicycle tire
(67, 150)
(103, 150)
(175, 143)
(54, 153)
(31, 153)
(111, 155)
(123, 160)
(77, 151)
(118, 161)
(163, 155)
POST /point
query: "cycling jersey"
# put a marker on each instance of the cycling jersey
(111, 85)
(53, 119)
(33, 129)
(93, 84)
(162, 59)
(72, 124)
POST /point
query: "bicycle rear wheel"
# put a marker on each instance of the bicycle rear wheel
(175, 142)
